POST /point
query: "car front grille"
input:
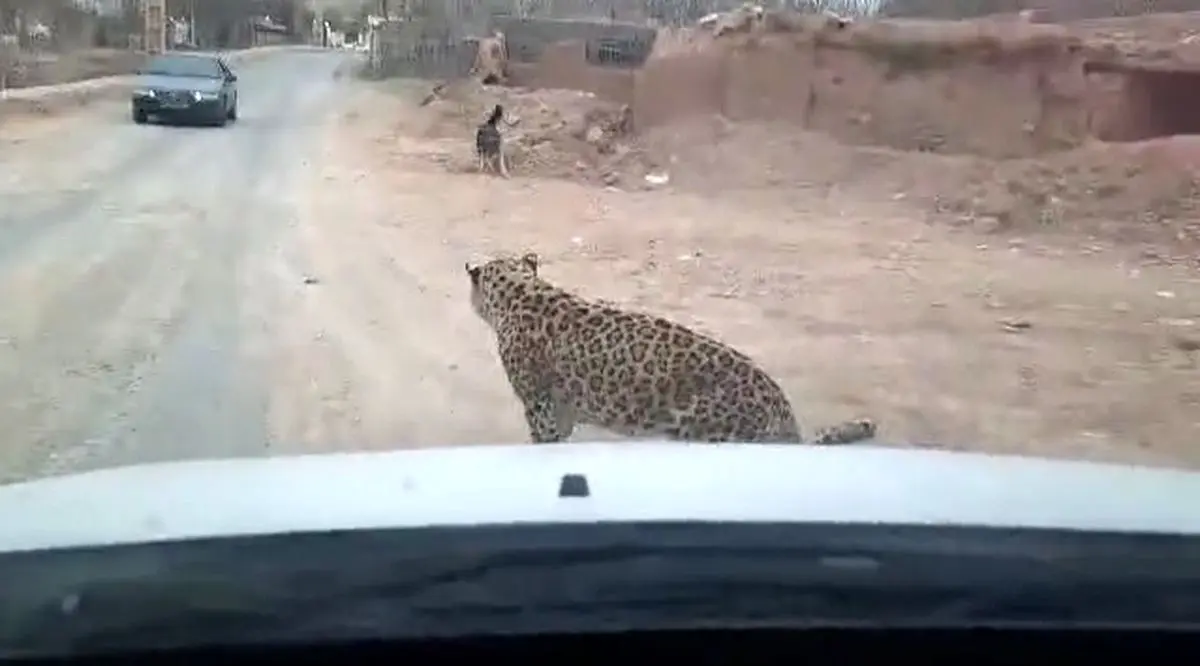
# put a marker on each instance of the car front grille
(175, 96)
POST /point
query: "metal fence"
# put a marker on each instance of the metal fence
(430, 39)
(606, 43)
(421, 48)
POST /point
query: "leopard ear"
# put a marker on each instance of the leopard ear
(531, 262)
(473, 272)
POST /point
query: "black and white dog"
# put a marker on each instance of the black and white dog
(489, 145)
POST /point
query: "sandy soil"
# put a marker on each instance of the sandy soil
(854, 301)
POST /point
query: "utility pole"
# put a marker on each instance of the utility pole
(154, 25)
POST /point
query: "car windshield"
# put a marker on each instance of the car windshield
(292, 232)
(183, 66)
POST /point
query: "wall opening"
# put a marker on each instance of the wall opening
(1155, 103)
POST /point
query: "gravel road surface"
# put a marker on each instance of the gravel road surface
(127, 257)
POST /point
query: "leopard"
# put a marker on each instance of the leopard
(573, 361)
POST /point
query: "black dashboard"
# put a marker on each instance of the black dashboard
(978, 646)
(705, 592)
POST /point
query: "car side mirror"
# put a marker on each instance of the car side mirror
(232, 78)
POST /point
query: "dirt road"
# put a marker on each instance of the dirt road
(293, 283)
(133, 324)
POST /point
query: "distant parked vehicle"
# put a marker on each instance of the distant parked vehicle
(186, 87)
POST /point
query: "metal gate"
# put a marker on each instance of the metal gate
(424, 49)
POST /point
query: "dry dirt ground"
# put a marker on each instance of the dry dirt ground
(1058, 345)
(304, 291)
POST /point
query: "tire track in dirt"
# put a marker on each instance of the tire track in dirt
(128, 323)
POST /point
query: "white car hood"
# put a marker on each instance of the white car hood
(627, 482)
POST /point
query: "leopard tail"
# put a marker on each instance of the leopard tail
(846, 432)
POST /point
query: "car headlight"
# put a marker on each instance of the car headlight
(143, 93)
(203, 96)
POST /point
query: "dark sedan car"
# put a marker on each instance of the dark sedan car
(188, 87)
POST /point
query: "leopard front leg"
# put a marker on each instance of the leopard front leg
(548, 420)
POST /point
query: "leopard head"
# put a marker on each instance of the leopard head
(496, 283)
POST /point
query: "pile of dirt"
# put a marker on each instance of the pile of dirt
(553, 133)
(1141, 195)
(716, 155)
(1131, 193)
